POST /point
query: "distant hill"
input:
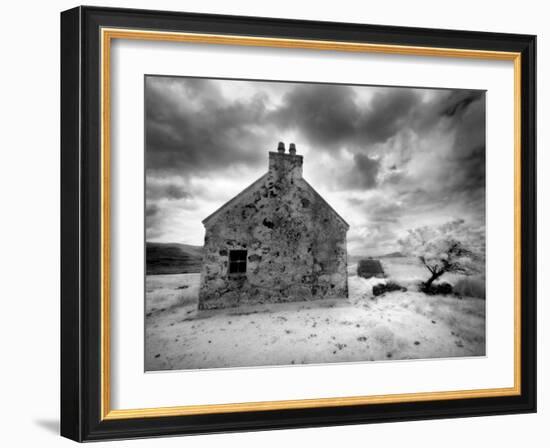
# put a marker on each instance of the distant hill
(172, 258)
(392, 255)
(357, 258)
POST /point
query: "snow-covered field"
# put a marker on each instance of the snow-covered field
(398, 325)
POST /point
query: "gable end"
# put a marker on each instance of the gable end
(235, 200)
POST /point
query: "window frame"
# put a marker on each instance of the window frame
(239, 262)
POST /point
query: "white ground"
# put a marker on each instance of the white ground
(398, 325)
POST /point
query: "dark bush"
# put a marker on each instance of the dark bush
(436, 288)
(388, 287)
(470, 287)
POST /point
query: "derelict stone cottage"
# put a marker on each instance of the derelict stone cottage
(277, 241)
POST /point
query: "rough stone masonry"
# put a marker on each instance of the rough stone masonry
(277, 241)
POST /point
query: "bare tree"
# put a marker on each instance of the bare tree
(440, 250)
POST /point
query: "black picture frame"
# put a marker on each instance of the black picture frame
(81, 381)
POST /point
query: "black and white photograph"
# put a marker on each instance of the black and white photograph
(292, 223)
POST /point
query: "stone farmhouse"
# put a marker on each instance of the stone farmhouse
(277, 241)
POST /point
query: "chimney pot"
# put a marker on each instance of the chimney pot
(281, 148)
(292, 149)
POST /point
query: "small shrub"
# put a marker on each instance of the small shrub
(382, 288)
(470, 287)
(436, 288)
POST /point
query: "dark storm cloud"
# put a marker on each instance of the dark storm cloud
(151, 210)
(445, 107)
(176, 192)
(460, 100)
(404, 156)
(471, 173)
(466, 162)
(458, 167)
(387, 114)
(190, 127)
(333, 117)
(166, 191)
(364, 172)
(325, 115)
(330, 117)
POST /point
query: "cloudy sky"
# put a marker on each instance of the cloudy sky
(386, 158)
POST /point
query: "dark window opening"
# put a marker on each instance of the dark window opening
(237, 262)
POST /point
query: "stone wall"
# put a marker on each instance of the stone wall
(296, 244)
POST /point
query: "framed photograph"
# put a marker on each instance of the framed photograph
(273, 223)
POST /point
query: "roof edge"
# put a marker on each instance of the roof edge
(234, 199)
(255, 184)
(326, 203)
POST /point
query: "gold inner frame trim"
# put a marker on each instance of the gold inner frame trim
(107, 35)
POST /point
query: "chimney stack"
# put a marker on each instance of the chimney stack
(285, 165)
(292, 149)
